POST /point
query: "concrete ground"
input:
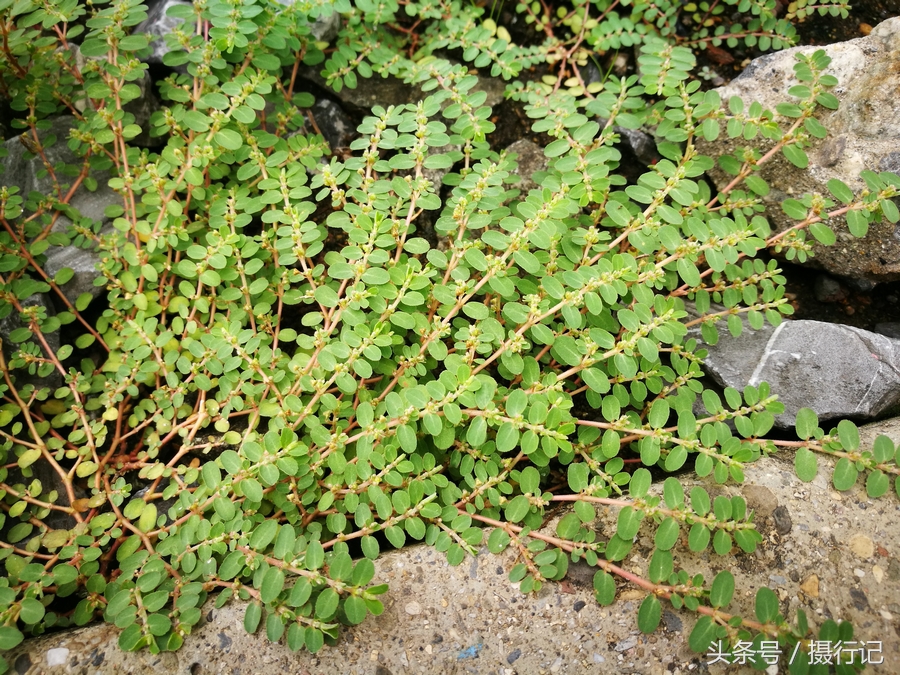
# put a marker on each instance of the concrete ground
(833, 554)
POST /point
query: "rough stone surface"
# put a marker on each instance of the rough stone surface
(25, 173)
(889, 427)
(336, 126)
(838, 371)
(82, 262)
(481, 623)
(160, 25)
(864, 133)
(531, 159)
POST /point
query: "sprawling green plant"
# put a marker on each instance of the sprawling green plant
(367, 386)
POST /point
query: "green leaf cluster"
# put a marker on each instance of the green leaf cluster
(301, 358)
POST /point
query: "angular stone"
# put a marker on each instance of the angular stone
(864, 133)
(160, 25)
(83, 262)
(26, 173)
(336, 126)
(838, 371)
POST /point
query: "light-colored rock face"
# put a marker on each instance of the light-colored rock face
(158, 24)
(864, 133)
(26, 175)
(832, 554)
(838, 371)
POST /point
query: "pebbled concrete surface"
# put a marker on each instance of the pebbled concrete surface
(833, 554)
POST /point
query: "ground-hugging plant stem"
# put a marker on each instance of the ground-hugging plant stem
(367, 387)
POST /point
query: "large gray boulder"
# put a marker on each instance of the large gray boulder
(864, 133)
(838, 371)
(30, 176)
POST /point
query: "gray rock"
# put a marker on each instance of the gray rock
(864, 133)
(783, 522)
(869, 432)
(83, 262)
(530, 160)
(838, 371)
(626, 644)
(159, 25)
(828, 289)
(641, 143)
(26, 174)
(335, 125)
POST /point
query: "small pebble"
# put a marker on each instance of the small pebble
(783, 522)
(777, 580)
(513, 655)
(579, 606)
(556, 665)
(858, 572)
(862, 546)
(811, 586)
(878, 573)
(860, 601)
(413, 608)
(626, 644)
(57, 657)
(886, 615)
(828, 289)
